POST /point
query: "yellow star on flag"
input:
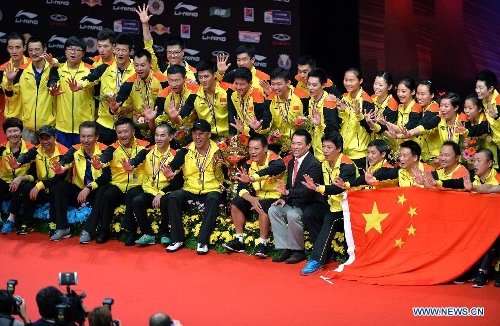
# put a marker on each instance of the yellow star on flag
(411, 230)
(374, 218)
(399, 243)
(412, 211)
(401, 199)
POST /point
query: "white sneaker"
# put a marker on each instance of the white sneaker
(174, 246)
(202, 249)
(61, 234)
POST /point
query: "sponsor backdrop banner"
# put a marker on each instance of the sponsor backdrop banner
(208, 27)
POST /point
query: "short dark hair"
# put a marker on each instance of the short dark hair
(12, 123)
(246, 48)
(488, 77)
(160, 319)
(261, 138)
(455, 99)
(380, 145)
(280, 73)
(488, 153)
(305, 133)
(143, 53)
(106, 34)
(320, 73)
(75, 41)
(335, 138)
(171, 130)
(124, 121)
(176, 69)
(16, 36)
(6, 302)
(243, 73)
(205, 65)
(175, 40)
(413, 146)
(34, 39)
(306, 60)
(455, 146)
(100, 316)
(89, 124)
(47, 299)
(125, 39)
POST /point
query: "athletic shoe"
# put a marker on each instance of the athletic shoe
(466, 277)
(165, 240)
(8, 227)
(202, 249)
(146, 239)
(480, 280)
(311, 267)
(25, 229)
(129, 239)
(497, 282)
(61, 234)
(85, 237)
(234, 245)
(261, 251)
(174, 246)
(102, 237)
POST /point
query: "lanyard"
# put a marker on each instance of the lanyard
(155, 173)
(245, 104)
(284, 114)
(119, 77)
(201, 165)
(181, 99)
(211, 107)
(148, 88)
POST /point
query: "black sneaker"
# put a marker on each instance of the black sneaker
(480, 280)
(466, 277)
(235, 245)
(497, 282)
(129, 239)
(25, 229)
(261, 251)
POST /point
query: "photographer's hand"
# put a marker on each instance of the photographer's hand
(22, 312)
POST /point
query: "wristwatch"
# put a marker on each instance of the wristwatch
(89, 186)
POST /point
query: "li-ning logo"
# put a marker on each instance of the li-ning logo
(2, 39)
(57, 2)
(217, 32)
(93, 23)
(129, 5)
(190, 10)
(191, 55)
(60, 42)
(29, 20)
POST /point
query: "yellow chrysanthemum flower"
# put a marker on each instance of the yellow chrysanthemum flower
(52, 226)
(249, 239)
(308, 245)
(117, 227)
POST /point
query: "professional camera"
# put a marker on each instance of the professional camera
(11, 287)
(70, 311)
(108, 302)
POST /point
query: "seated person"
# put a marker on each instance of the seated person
(261, 171)
(10, 179)
(200, 163)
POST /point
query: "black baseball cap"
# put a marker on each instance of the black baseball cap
(202, 125)
(47, 130)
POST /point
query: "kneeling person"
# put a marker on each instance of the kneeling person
(261, 171)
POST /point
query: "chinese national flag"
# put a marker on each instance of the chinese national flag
(415, 236)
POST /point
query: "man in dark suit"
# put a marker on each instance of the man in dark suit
(297, 202)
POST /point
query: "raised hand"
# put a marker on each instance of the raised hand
(357, 107)
(222, 63)
(143, 14)
(340, 183)
(167, 171)
(238, 124)
(126, 165)
(467, 182)
(58, 168)
(492, 112)
(316, 117)
(74, 85)
(460, 127)
(369, 178)
(49, 58)
(266, 87)
(281, 188)
(243, 176)
(174, 111)
(11, 72)
(149, 113)
(254, 123)
(96, 162)
(309, 182)
(55, 90)
(13, 163)
(429, 181)
(418, 177)
(113, 105)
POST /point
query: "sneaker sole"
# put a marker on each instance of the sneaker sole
(260, 255)
(229, 248)
(84, 242)
(479, 286)
(174, 250)
(64, 237)
(201, 252)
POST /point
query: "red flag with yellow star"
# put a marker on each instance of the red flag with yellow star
(415, 236)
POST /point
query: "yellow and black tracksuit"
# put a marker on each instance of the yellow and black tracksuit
(482, 133)
(429, 139)
(329, 122)
(257, 76)
(403, 177)
(162, 67)
(251, 104)
(13, 105)
(165, 99)
(7, 174)
(388, 109)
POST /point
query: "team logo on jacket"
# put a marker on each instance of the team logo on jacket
(212, 34)
(156, 7)
(88, 23)
(124, 5)
(183, 9)
(25, 17)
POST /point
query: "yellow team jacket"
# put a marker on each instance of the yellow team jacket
(154, 180)
(121, 178)
(78, 164)
(13, 105)
(7, 173)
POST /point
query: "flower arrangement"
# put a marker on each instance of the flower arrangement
(107, 96)
(274, 137)
(182, 134)
(468, 146)
(302, 122)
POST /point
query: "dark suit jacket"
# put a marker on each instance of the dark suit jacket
(299, 195)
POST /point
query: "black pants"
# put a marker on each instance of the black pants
(177, 202)
(314, 218)
(322, 249)
(62, 195)
(28, 204)
(107, 199)
(106, 136)
(141, 204)
(485, 262)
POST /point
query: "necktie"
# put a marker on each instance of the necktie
(295, 170)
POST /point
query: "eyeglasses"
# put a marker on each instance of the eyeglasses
(74, 50)
(174, 53)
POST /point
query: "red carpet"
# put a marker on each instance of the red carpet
(223, 289)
